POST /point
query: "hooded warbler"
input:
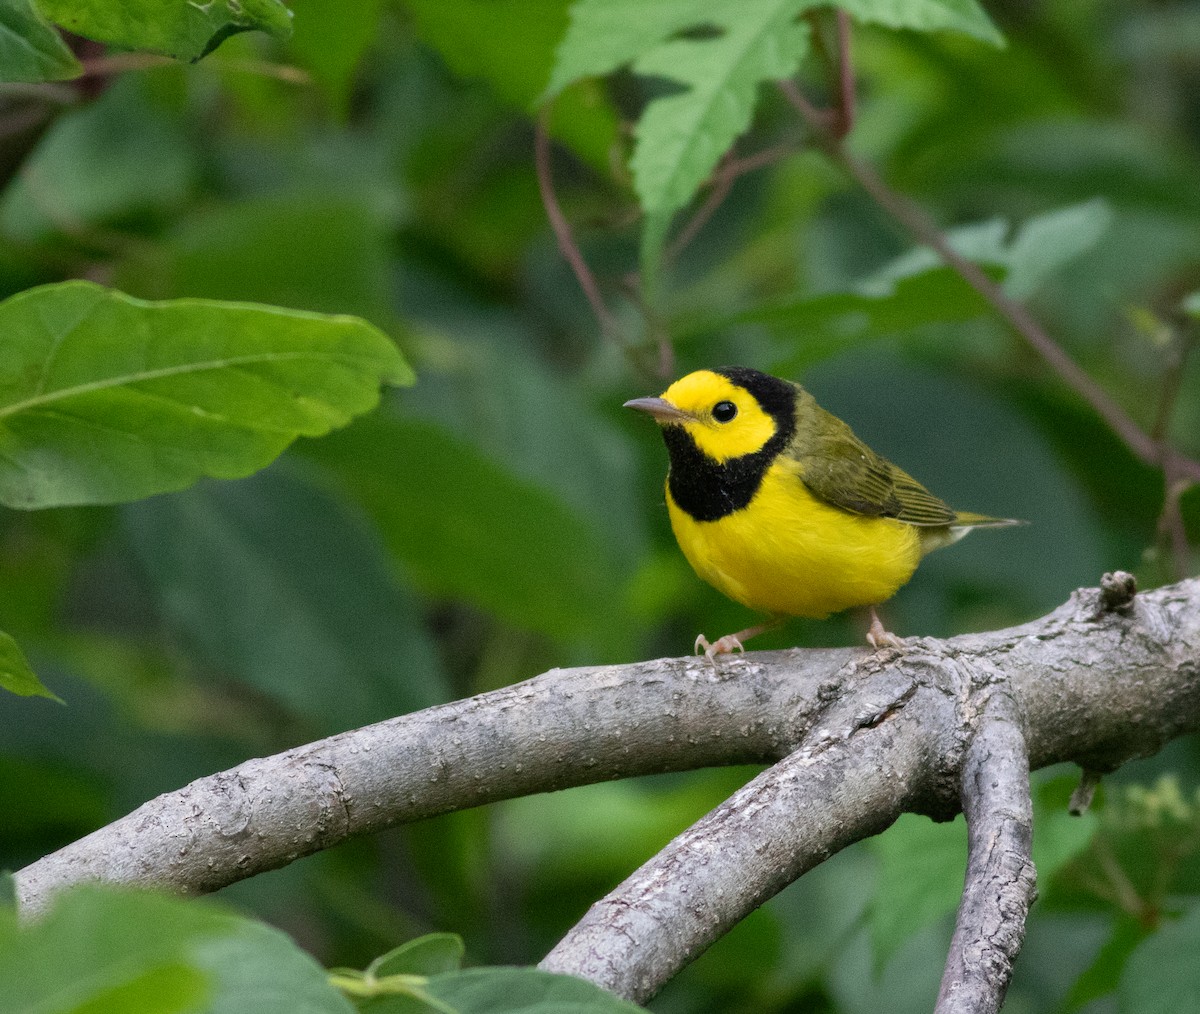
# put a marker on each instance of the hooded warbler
(778, 505)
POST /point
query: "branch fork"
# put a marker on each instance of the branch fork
(853, 738)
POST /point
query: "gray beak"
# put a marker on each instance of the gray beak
(662, 410)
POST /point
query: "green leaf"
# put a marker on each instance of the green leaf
(477, 39)
(466, 528)
(681, 136)
(1191, 304)
(606, 34)
(8, 894)
(1039, 247)
(245, 251)
(30, 49)
(1163, 975)
(1059, 836)
(916, 289)
(1102, 976)
(101, 950)
(524, 991)
(432, 954)
(90, 169)
(818, 326)
(178, 28)
(277, 585)
(105, 398)
(964, 16)
(169, 988)
(920, 879)
(1048, 242)
(15, 672)
(330, 40)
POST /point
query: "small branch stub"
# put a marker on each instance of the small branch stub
(1117, 591)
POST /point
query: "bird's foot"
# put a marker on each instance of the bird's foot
(733, 642)
(878, 636)
(721, 646)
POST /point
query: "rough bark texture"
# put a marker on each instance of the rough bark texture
(1000, 882)
(862, 737)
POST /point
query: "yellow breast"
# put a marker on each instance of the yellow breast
(787, 552)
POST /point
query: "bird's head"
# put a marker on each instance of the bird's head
(728, 412)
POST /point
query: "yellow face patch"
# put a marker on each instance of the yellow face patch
(719, 431)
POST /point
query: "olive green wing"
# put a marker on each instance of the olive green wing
(840, 469)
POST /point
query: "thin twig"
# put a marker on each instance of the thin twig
(1014, 312)
(119, 63)
(1171, 527)
(1172, 383)
(728, 172)
(846, 81)
(562, 232)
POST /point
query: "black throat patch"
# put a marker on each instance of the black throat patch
(708, 490)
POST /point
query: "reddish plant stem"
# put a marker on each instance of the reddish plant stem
(562, 231)
(846, 81)
(1144, 446)
(728, 172)
(109, 65)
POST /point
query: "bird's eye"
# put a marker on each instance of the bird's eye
(723, 411)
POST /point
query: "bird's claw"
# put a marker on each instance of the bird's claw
(879, 636)
(721, 646)
(886, 639)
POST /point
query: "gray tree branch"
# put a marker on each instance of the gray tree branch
(862, 735)
(1000, 882)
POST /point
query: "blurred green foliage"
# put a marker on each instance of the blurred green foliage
(504, 517)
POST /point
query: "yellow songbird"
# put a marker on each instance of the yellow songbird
(777, 504)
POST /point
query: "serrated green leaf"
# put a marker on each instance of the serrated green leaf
(30, 49)
(926, 16)
(16, 675)
(1163, 975)
(178, 28)
(432, 954)
(276, 584)
(606, 34)
(105, 398)
(100, 950)
(524, 991)
(681, 136)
